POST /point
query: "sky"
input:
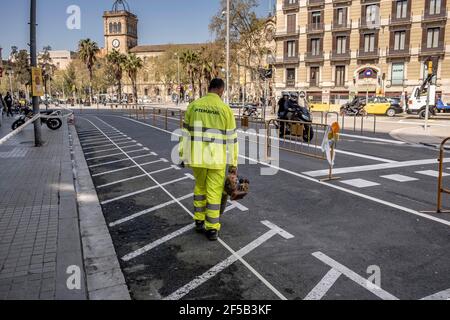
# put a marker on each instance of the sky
(160, 21)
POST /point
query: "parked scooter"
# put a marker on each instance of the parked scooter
(251, 112)
(356, 107)
(53, 123)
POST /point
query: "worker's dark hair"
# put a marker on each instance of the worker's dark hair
(216, 84)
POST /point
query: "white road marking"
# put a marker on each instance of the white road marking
(274, 230)
(121, 160)
(399, 178)
(372, 139)
(443, 295)
(144, 212)
(112, 149)
(354, 277)
(96, 143)
(104, 139)
(129, 167)
(223, 243)
(134, 178)
(110, 144)
(304, 177)
(144, 190)
(115, 154)
(432, 173)
(321, 289)
(157, 243)
(374, 167)
(239, 206)
(360, 183)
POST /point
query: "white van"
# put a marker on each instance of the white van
(418, 101)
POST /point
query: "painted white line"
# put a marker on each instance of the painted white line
(223, 243)
(360, 183)
(121, 135)
(432, 173)
(239, 206)
(144, 190)
(399, 178)
(443, 295)
(113, 149)
(321, 289)
(127, 143)
(157, 243)
(329, 185)
(115, 154)
(134, 178)
(396, 142)
(144, 212)
(374, 167)
(97, 143)
(122, 160)
(353, 154)
(95, 133)
(183, 291)
(128, 168)
(355, 277)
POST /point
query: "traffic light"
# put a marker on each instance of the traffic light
(430, 67)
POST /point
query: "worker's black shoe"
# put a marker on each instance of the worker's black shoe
(199, 226)
(212, 235)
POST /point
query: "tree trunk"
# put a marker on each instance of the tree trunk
(90, 86)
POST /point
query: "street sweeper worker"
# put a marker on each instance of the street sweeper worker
(209, 143)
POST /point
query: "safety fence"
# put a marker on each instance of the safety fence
(361, 124)
(292, 136)
(441, 189)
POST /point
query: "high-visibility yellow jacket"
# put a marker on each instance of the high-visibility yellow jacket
(209, 131)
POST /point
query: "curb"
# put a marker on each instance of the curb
(104, 277)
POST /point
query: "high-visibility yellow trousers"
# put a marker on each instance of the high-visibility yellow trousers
(209, 186)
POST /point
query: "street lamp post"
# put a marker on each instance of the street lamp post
(228, 54)
(178, 79)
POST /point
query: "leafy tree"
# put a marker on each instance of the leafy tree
(131, 66)
(87, 51)
(190, 59)
(47, 66)
(116, 61)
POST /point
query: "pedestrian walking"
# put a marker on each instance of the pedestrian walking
(9, 102)
(209, 131)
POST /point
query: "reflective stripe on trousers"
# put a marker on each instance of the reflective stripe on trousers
(210, 183)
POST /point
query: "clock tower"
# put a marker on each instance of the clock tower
(120, 28)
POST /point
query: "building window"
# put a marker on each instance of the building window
(399, 40)
(316, 18)
(372, 14)
(291, 23)
(341, 44)
(314, 76)
(435, 6)
(119, 27)
(290, 77)
(433, 37)
(402, 9)
(340, 76)
(369, 42)
(398, 74)
(291, 49)
(315, 47)
(291, 1)
(341, 16)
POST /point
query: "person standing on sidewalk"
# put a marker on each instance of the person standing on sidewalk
(9, 103)
(2, 105)
(209, 131)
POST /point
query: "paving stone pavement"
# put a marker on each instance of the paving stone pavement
(39, 225)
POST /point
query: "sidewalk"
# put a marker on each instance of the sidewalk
(42, 248)
(417, 135)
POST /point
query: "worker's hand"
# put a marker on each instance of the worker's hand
(232, 170)
(182, 165)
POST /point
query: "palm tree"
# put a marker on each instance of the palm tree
(87, 51)
(189, 59)
(131, 66)
(117, 61)
(48, 68)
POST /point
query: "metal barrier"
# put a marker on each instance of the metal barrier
(355, 122)
(441, 189)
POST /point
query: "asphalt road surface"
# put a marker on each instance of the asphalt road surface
(364, 236)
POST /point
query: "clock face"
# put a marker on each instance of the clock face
(116, 43)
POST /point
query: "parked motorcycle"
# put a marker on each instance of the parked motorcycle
(295, 112)
(27, 114)
(356, 107)
(251, 112)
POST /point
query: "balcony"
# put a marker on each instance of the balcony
(315, 28)
(398, 53)
(287, 6)
(429, 17)
(290, 83)
(438, 50)
(368, 55)
(311, 57)
(368, 24)
(287, 61)
(345, 26)
(287, 34)
(312, 3)
(395, 21)
(340, 56)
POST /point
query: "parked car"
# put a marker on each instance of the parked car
(383, 106)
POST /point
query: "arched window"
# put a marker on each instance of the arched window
(110, 27)
(119, 27)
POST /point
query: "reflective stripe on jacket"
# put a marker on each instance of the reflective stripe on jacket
(209, 131)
